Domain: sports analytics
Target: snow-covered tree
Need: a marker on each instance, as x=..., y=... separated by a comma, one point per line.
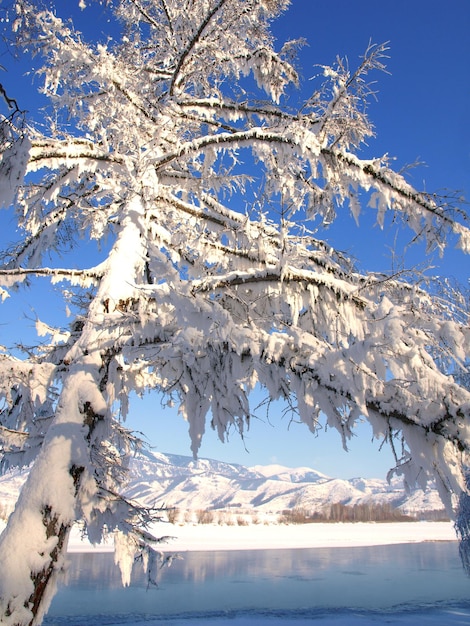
x=172, y=144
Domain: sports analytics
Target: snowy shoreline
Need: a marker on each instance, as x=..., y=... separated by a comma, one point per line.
x=209, y=537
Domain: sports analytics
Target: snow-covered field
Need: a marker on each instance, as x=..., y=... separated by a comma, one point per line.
x=252, y=537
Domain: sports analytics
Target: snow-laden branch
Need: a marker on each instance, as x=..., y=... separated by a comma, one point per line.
x=279, y=276
x=392, y=189
x=52, y=154
x=348, y=99
x=83, y=278
x=220, y=140
x=193, y=42
x=11, y=438
x=207, y=106
x=146, y=15
x=395, y=182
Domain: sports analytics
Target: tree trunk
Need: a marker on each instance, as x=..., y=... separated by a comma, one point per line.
x=63, y=473
x=45, y=578
x=33, y=545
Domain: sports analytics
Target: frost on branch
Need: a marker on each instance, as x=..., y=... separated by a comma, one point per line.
x=207, y=202
x=14, y=148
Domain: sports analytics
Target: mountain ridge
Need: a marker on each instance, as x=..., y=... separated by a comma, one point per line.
x=183, y=483
x=271, y=489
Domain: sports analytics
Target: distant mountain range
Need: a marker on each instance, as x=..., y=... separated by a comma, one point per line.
x=204, y=485
x=189, y=485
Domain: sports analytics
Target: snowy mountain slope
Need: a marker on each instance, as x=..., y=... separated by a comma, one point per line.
x=177, y=481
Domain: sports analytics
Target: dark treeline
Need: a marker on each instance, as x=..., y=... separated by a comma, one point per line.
x=363, y=512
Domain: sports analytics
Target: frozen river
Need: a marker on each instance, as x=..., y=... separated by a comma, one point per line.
x=398, y=584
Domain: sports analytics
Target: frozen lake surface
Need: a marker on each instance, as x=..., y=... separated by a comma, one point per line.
x=396, y=584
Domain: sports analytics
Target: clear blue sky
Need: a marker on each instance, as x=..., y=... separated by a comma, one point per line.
x=421, y=112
